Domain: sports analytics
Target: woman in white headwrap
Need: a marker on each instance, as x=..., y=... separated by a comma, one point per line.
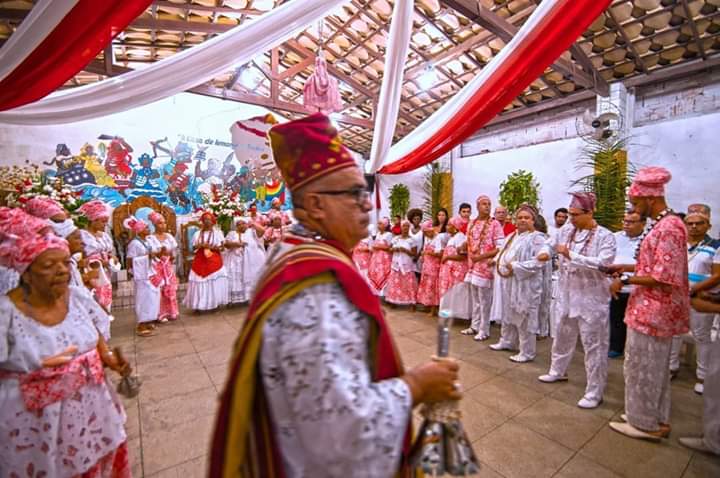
x=141, y=258
x=244, y=258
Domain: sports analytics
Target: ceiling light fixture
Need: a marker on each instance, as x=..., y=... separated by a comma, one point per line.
x=428, y=79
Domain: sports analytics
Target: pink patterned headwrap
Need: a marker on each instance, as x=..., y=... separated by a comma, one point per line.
x=135, y=225
x=155, y=217
x=18, y=222
x=650, y=182
x=95, y=210
x=427, y=226
x=43, y=207
x=583, y=200
x=457, y=222
x=18, y=252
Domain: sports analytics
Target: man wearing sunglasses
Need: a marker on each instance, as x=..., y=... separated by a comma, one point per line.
x=316, y=387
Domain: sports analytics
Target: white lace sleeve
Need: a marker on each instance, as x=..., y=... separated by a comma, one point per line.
x=330, y=417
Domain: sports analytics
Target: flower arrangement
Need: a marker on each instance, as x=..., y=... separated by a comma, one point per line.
x=225, y=204
x=19, y=184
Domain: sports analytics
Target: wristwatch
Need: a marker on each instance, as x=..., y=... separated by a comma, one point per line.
x=625, y=280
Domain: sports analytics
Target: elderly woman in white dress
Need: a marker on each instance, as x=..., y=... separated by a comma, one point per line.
x=141, y=257
x=58, y=416
x=519, y=287
x=244, y=257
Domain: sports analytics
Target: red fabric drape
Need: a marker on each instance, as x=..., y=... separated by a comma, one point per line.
x=74, y=42
x=542, y=46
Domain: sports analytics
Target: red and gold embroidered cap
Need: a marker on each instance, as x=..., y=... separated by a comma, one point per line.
x=307, y=149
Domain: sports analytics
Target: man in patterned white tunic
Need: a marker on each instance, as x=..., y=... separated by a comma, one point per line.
x=583, y=247
x=315, y=386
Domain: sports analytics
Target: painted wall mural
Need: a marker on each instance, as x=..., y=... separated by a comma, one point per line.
x=179, y=172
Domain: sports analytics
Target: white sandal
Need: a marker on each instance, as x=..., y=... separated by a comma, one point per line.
x=468, y=331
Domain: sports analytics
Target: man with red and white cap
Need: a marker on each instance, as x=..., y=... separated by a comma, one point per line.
x=485, y=235
x=583, y=247
x=657, y=310
x=315, y=386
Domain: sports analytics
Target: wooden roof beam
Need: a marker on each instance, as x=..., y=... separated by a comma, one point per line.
x=506, y=31
x=628, y=41
x=693, y=27
x=203, y=8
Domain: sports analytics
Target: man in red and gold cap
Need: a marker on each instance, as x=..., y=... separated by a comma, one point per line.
x=657, y=310
x=315, y=386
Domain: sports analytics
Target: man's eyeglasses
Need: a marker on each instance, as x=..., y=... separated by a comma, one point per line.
x=359, y=193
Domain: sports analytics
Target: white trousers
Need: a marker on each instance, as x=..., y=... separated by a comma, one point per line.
x=517, y=336
x=701, y=329
x=595, y=338
x=647, y=380
x=480, y=303
x=711, y=395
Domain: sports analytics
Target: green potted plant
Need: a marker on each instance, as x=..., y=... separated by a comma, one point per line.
x=399, y=200
x=520, y=187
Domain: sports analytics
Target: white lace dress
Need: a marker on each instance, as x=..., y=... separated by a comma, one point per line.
x=67, y=437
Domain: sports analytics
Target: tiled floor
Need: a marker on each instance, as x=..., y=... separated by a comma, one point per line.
x=519, y=426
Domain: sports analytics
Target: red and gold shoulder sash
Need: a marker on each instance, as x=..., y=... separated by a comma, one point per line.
x=243, y=443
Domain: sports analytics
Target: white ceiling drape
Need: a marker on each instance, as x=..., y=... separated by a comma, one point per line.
x=177, y=73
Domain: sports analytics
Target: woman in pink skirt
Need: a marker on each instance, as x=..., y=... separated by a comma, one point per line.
x=402, y=283
x=166, y=244
x=381, y=258
x=361, y=256
x=453, y=267
x=428, y=294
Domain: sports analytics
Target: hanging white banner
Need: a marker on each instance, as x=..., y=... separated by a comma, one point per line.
x=391, y=90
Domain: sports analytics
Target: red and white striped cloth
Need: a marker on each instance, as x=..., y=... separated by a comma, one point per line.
x=55, y=41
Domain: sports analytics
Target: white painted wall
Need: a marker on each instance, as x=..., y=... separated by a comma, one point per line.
x=689, y=148
x=551, y=163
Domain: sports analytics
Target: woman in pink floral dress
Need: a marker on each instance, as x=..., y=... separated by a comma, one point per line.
x=361, y=256
x=164, y=242
x=402, y=284
x=59, y=417
x=428, y=292
x=381, y=258
x=453, y=267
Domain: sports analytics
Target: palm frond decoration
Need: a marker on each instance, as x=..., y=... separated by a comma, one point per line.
x=437, y=190
x=611, y=175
